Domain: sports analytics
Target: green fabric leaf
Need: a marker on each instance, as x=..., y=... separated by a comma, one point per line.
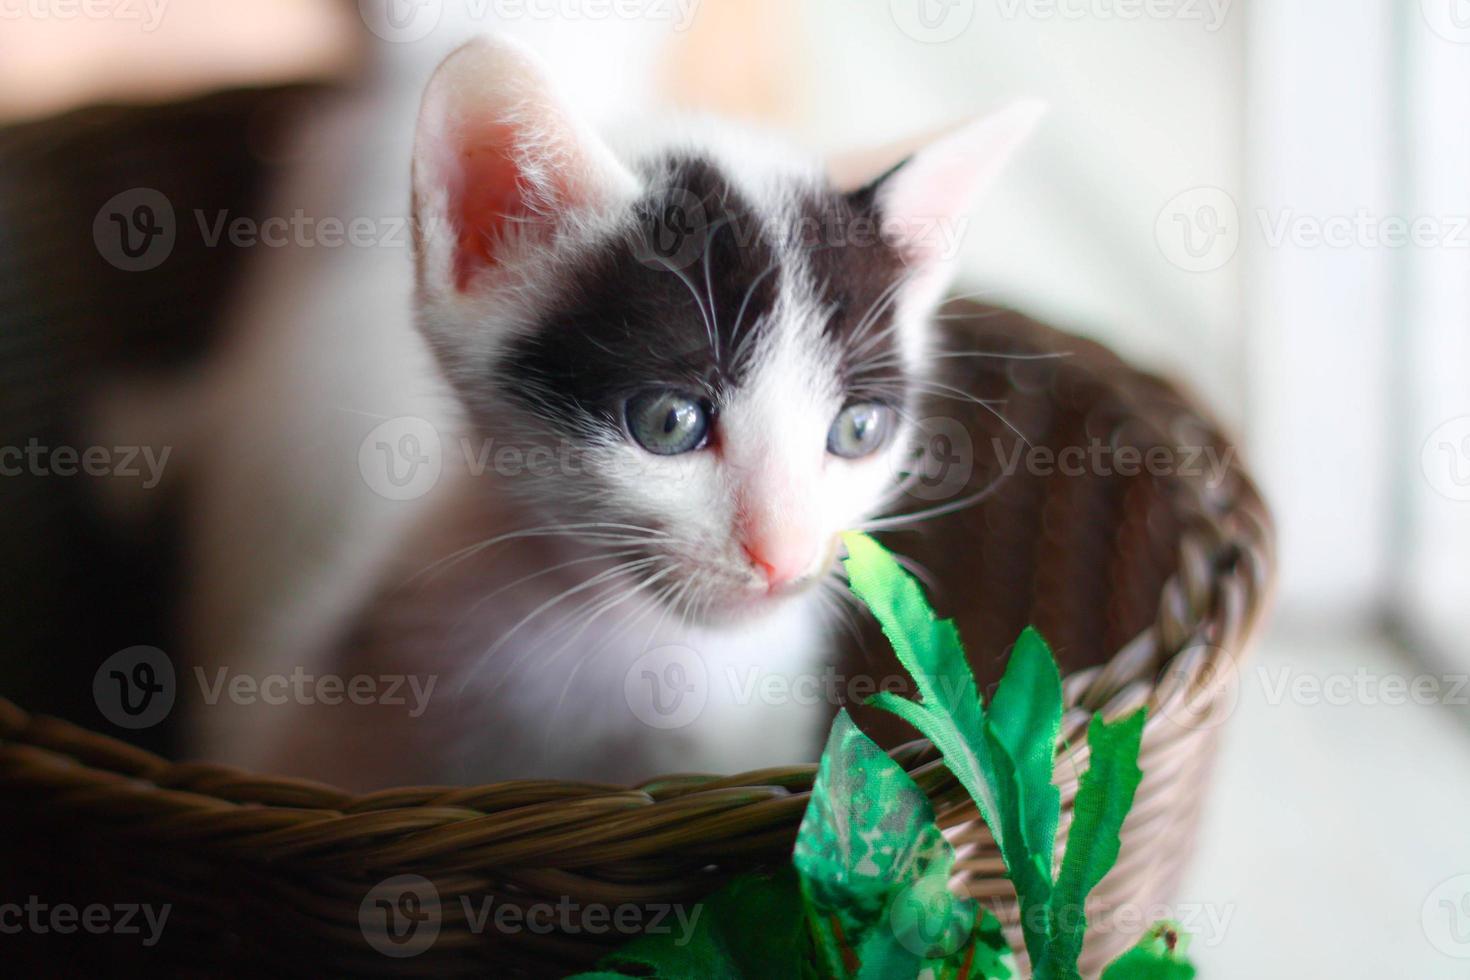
x=950, y=714
x=1026, y=714
x=1030, y=873
x=926, y=939
x=990, y=955
x=1005, y=758
x=1022, y=725
x=1159, y=955
x=868, y=839
x=883, y=955
x=1104, y=798
x=753, y=927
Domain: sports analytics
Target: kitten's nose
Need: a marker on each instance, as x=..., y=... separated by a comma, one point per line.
x=780, y=561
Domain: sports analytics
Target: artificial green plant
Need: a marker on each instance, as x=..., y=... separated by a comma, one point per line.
x=867, y=897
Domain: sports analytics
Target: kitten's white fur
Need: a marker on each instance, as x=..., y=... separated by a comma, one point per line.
x=266, y=604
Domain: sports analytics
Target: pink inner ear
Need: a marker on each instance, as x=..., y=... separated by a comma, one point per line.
x=483, y=199
x=934, y=193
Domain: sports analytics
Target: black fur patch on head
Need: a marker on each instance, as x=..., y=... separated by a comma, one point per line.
x=683, y=299
x=858, y=274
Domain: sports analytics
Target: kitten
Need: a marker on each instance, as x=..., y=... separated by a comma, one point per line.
x=688, y=362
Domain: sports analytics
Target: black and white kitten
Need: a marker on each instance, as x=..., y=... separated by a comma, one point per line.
x=712, y=350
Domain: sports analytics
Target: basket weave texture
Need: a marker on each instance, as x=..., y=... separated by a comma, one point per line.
x=1148, y=585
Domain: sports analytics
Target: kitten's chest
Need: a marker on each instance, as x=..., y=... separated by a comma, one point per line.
x=541, y=674
x=623, y=703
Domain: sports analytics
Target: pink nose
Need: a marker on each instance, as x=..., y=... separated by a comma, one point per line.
x=780, y=561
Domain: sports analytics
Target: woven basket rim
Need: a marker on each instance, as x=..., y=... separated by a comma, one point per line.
x=675, y=835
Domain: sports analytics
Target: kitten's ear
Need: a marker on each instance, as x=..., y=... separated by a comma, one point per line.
x=500, y=164
x=921, y=187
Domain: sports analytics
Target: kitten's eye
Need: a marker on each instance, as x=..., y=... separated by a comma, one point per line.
x=667, y=422
x=860, y=429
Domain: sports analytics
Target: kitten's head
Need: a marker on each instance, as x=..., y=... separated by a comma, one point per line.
x=713, y=346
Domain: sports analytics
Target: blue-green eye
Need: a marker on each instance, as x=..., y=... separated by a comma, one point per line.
x=668, y=422
x=860, y=429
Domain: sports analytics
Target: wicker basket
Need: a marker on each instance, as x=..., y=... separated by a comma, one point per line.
x=1148, y=585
